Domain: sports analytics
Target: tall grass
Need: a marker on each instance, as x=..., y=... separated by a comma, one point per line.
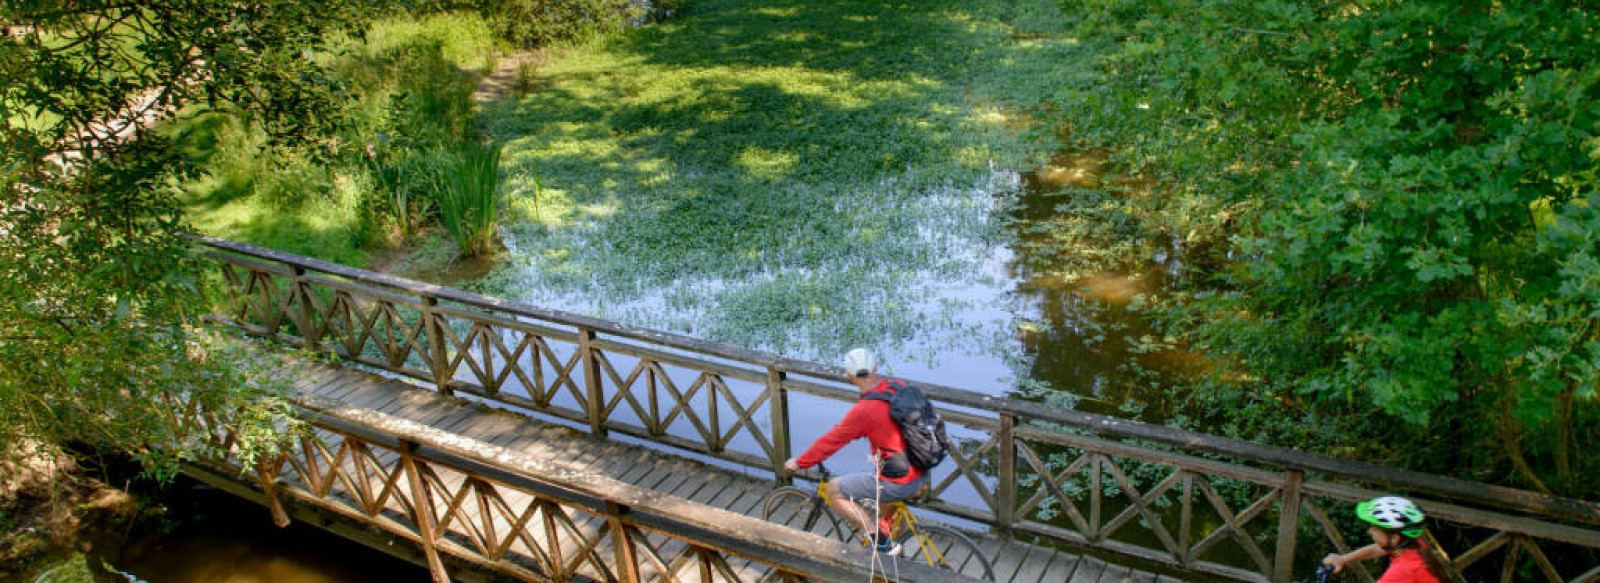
x=404, y=192
x=378, y=181
x=469, y=198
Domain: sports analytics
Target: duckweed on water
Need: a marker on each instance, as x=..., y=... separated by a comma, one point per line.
x=796, y=176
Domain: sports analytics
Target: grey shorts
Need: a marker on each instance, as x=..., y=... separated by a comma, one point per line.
x=864, y=487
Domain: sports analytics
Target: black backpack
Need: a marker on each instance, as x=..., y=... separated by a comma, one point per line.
x=920, y=426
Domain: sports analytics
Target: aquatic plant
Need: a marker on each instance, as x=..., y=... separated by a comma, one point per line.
x=468, y=198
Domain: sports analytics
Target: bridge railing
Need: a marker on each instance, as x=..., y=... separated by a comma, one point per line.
x=485, y=506
x=1161, y=496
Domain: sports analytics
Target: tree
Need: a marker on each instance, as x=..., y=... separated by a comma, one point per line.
x=1392, y=205
x=101, y=287
x=1432, y=253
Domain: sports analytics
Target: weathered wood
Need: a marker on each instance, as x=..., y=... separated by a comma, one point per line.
x=1032, y=566
x=389, y=315
x=1062, y=567
x=1088, y=571
x=778, y=411
x=268, y=478
x=1570, y=509
x=594, y=390
x=1006, y=494
x=1009, y=558
x=1288, y=521
x=589, y=481
x=1115, y=574
x=424, y=519
x=438, y=352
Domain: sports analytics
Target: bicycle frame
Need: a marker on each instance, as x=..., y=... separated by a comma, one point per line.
x=902, y=521
x=940, y=547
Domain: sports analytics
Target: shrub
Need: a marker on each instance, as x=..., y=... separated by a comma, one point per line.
x=546, y=22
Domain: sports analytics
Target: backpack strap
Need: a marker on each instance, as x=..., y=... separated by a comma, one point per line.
x=886, y=396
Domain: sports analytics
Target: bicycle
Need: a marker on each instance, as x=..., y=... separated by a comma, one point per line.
x=939, y=546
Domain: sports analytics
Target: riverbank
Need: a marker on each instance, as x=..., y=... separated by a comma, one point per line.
x=51, y=508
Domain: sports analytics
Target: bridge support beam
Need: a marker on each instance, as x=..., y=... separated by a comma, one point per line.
x=269, y=487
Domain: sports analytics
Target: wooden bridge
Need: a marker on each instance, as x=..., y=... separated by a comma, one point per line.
x=497, y=438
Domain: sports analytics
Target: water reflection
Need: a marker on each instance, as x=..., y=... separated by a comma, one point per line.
x=1086, y=344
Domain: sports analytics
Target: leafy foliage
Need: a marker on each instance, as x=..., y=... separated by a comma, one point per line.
x=408, y=84
x=1401, y=198
x=547, y=22
x=98, y=281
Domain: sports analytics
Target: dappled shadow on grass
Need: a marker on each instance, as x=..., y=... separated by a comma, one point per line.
x=302, y=231
x=739, y=150
x=871, y=40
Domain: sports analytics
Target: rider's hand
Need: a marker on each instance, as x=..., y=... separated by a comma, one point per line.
x=1335, y=559
x=791, y=465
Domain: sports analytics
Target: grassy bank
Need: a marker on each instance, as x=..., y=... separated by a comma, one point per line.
x=409, y=81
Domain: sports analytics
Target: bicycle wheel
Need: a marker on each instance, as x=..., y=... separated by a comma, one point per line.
x=944, y=548
x=799, y=508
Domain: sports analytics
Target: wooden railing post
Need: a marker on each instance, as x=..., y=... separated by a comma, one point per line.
x=1288, y=526
x=422, y=509
x=627, y=561
x=1094, y=498
x=308, y=329
x=438, y=352
x=778, y=405
x=1006, y=491
x=269, y=487
x=590, y=361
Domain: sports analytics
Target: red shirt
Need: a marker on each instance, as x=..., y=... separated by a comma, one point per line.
x=869, y=418
x=1407, y=567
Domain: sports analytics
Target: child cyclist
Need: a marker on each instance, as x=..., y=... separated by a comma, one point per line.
x=1395, y=525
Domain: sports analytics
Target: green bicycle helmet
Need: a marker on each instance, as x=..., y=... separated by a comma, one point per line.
x=1392, y=513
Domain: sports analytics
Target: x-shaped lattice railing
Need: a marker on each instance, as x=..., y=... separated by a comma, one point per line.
x=678, y=388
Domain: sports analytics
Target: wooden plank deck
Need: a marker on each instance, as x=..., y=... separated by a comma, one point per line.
x=641, y=466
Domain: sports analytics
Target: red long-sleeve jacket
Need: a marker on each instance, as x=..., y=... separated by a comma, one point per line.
x=869, y=418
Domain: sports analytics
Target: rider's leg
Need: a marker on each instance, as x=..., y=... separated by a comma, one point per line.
x=841, y=491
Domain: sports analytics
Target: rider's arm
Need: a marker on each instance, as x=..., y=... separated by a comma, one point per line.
x=854, y=425
x=1365, y=553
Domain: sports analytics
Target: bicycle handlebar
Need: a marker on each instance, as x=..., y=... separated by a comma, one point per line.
x=1324, y=573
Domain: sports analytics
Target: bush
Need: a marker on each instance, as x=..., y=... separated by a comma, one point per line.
x=546, y=22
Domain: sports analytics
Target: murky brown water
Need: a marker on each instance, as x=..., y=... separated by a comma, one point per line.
x=215, y=537
x=1086, y=331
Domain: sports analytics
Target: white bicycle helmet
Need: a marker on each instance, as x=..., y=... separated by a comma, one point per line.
x=1392, y=513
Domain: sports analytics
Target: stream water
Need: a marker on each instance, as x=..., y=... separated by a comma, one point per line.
x=210, y=536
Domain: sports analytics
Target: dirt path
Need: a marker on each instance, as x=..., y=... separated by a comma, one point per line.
x=502, y=81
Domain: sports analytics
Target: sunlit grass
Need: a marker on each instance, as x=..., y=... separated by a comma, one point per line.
x=322, y=226
x=331, y=207
x=466, y=38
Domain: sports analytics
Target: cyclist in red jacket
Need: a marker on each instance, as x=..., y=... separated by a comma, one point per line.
x=1396, y=531
x=869, y=418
